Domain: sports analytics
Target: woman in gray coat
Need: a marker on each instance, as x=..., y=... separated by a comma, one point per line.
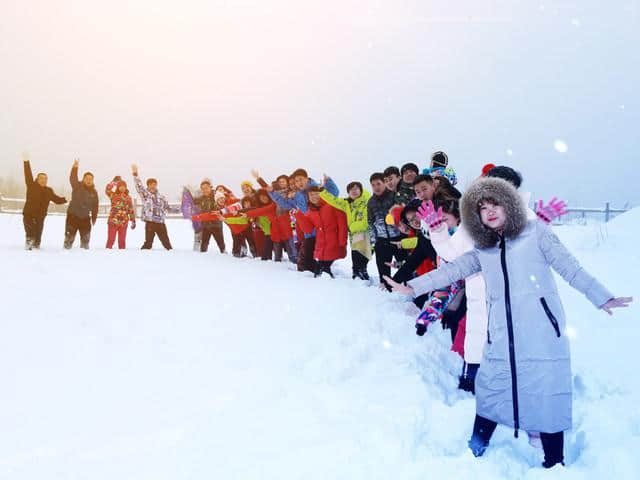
x=524, y=380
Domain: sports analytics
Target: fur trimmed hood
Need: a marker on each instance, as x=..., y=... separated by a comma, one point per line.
x=504, y=194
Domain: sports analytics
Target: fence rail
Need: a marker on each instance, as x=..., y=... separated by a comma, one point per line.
x=14, y=205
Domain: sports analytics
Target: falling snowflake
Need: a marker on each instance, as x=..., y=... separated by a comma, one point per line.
x=576, y=22
x=386, y=344
x=561, y=146
x=509, y=152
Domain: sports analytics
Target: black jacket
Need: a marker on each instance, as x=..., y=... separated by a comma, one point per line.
x=404, y=193
x=38, y=197
x=208, y=204
x=377, y=210
x=423, y=251
x=84, y=201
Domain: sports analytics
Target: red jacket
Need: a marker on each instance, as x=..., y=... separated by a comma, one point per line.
x=280, y=225
x=331, y=230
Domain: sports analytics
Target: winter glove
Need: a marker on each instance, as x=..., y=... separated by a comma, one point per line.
x=133, y=224
x=427, y=214
x=421, y=329
x=548, y=213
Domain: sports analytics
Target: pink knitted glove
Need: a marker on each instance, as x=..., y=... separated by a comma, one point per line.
x=427, y=213
x=554, y=209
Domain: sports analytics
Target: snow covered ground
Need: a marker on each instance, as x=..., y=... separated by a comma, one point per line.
x=179, y=365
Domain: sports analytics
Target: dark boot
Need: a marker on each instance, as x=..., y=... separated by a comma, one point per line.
x=553, y=446
x=482, y=431
x=326, y=267
x=467, y=381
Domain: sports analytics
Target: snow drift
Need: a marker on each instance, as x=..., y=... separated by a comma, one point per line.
x=172, y=365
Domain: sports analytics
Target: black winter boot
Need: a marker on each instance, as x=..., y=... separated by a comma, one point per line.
x=553, y=446
x=482, y=431
x=467, y=381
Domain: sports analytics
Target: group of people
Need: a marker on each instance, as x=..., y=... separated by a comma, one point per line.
x=479, y=263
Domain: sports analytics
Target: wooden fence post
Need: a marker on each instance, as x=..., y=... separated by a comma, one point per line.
x=607, y=212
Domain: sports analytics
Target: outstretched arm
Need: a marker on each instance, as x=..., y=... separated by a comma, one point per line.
x=284, y=203
x=143, y=192
x=563, y=262
x=331, y=186
x=460, y=268
x=28, y=174
x=73, y=176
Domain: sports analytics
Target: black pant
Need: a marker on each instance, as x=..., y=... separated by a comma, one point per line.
x=151, y=229
x=305, y=255
x=215, y=229
x=33, y=229
x=287, y=246
x=240, y=242
x=385, y=251
x=267, y=248
x=552, y=443
x=74, y=225
x=359, y=262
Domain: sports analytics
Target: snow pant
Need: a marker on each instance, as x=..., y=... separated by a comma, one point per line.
x=306, y=262
x=288, y=246
x=197, y=239
x=117, y=230
x=212, y=229
x=240, y=242
x=451, y=318
x=552, y=443
x=267, y=248
x=151, y=229
x=33, y=230
x=385, y=251
x=359, y=264
x=323, y=266
x=258, y=240
x=74, y=225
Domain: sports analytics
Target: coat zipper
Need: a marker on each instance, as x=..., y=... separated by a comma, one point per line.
x=550, y=315
x=512, y=353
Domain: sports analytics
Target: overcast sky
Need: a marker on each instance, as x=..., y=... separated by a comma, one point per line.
x=191, y=89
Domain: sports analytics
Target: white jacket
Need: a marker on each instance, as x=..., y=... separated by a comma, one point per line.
x=450, y=247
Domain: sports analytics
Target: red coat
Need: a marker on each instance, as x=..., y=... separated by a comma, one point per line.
x=331, y=230
x=280, y=225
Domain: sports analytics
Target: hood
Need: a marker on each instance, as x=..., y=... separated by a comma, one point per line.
x=506, y=195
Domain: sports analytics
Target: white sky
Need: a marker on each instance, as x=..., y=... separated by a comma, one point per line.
x=192, y=89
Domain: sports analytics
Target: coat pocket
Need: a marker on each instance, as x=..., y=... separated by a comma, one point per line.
x=489, y=322
x=550, y=316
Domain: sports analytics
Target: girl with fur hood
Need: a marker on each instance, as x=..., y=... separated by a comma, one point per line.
x=121, y=213
x=524, y=379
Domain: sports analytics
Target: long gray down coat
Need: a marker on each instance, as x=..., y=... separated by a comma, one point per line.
x=524, y=379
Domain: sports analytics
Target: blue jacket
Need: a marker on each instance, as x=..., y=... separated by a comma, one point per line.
x=300, y=200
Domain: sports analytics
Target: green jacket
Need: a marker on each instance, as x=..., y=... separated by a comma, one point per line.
x=355, y=210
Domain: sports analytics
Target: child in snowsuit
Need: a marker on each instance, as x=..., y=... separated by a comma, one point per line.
x=284, y=239
x=264, y=216
x=330, y=224
x=154, y=211
x=355, y=207
x=120, y=214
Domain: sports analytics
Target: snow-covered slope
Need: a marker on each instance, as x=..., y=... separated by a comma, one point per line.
x=179, y=365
